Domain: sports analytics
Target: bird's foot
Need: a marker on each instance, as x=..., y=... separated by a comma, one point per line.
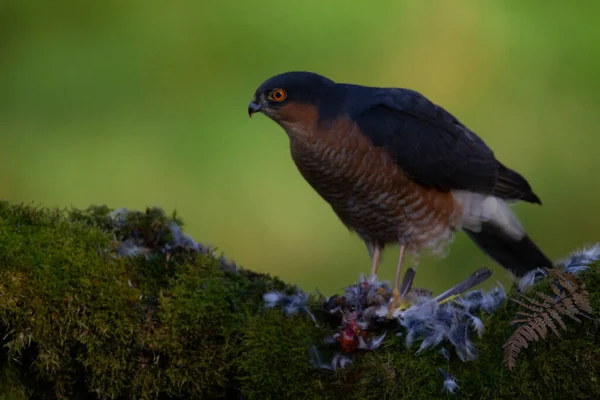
x=395, y=303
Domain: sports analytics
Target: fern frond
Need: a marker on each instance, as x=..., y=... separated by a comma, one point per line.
x=570, y=299
x=553, y=314
x=540, y=327
x=549, y=323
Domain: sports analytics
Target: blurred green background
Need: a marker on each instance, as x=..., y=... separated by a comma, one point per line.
x=131, y=103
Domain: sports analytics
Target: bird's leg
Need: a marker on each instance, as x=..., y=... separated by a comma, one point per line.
x=375, y=257
x=396, y=290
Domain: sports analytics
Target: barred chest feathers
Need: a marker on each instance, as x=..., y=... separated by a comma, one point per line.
x=369, y=193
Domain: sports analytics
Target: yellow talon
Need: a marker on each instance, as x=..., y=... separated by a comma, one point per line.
x=395, y=300
x=404, y=304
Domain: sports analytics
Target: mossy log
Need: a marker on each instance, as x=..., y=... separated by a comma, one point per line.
x=104, y=304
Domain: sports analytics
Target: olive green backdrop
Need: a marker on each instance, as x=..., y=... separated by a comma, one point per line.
x=136, y=103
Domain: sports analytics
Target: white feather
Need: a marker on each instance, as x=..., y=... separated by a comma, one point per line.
x=478, y=208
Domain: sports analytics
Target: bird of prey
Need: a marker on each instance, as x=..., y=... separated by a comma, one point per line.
x=399, y=169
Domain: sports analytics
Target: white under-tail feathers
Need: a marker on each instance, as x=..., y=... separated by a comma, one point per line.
x=479, y=208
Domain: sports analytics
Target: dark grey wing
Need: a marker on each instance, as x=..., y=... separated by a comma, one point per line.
x=432, y=146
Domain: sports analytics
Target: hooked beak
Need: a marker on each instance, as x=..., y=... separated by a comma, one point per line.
x=253, y=107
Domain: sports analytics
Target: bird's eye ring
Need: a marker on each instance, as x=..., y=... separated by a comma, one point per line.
x=278, y=95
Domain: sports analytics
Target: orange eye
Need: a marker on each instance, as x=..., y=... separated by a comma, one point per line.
x=278, y=95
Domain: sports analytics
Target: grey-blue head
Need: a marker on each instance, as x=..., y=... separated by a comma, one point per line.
x=289, y=87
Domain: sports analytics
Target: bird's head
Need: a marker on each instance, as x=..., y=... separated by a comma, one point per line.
x=291, y=98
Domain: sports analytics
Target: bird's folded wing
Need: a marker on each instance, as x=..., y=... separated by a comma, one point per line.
x=433, y=147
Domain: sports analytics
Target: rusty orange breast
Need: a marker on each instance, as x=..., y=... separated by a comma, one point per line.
x=368, y=191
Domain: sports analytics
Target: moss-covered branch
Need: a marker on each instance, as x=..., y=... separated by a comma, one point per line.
x=108, y=304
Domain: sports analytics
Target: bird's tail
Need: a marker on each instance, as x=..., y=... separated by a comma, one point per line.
x=519, y=255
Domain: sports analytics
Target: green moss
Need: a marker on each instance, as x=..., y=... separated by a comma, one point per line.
x=274, y=354
x=80, y=320
x=11, y=387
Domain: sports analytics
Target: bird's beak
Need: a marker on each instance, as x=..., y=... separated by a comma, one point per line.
x=253, y=107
